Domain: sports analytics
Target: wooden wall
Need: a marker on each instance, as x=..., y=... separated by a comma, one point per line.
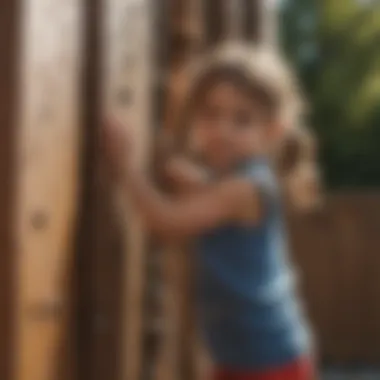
x=337, y=252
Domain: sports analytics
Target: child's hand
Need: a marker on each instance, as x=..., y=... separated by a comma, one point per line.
x=184, y=176
x=117, y=145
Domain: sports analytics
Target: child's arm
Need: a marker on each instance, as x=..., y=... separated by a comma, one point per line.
x=176, y=172
x=184, y=176
x=219, y=204
x=214, y=206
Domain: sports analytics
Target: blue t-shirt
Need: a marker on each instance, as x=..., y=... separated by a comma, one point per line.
x=248, y=311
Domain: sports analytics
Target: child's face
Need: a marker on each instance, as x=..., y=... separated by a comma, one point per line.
x=230, y=126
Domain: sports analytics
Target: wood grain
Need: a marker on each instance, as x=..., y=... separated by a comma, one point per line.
x=47, y=180
x=10, y=16
x=179, y=356
x=127, y=86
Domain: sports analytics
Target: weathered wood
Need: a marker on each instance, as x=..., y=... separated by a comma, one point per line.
x=335, y=250
x=9, y=35
x=47, y=182
x=214, y=21
x=265, y=16
x=234, y=11
x=167, y=365
x=127, y=86
x=252, y=22
x=177, y=359
x=100, y=247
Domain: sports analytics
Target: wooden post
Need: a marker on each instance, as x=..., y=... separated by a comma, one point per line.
x=252, y=21
x=177, y=359
x=268, y=13
x=127, y=88
x=214, y=21
x=167, y=362
x=9, y=37
x=47, y=182
x=234, y=11
x=97, y=290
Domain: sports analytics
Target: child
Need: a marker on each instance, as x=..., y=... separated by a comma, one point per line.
x=241, y=111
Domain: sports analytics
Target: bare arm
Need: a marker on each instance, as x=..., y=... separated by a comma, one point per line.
x=184, y=176
x=217, y=205
x=214, y=206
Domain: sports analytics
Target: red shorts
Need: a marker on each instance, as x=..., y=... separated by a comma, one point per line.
x=301, y=369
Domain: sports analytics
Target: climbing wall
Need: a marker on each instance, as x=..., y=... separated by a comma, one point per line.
x=47, y=180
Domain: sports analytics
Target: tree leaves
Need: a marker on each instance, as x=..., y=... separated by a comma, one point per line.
x=342, y=79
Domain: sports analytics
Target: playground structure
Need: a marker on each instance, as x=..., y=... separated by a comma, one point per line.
x=87, y=295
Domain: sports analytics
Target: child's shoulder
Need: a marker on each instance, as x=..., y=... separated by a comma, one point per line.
x=260, y=171
x=263, y=177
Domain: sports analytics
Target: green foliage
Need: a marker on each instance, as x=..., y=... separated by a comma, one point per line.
x=341, y=75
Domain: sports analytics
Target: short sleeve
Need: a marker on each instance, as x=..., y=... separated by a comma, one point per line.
x=263, y=180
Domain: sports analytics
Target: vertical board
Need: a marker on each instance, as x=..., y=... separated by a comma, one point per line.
x=167, y=362
x=235, y=19
x=336, y=250
x=97, y=291
x=214, y=21
x=313, y=249
x=370, y=287
x=177, y=359
x=47, y=180
x=251, y=26
x=9, y=33
x=267, y=21
x=127, y=86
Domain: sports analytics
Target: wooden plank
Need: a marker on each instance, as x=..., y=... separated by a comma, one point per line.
x=168, y=366
x=9, y=35
x=369, y=206
x=336, y=251
x=47, y=180
x=100, y=236
x=347, y=267
x=127, y=86
x=314, y=253
x=234, y=13
x=214, y=21
x=170, y=47
x=266, y=19
x=251, y=25
x=168, y=361
x=178, y=359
